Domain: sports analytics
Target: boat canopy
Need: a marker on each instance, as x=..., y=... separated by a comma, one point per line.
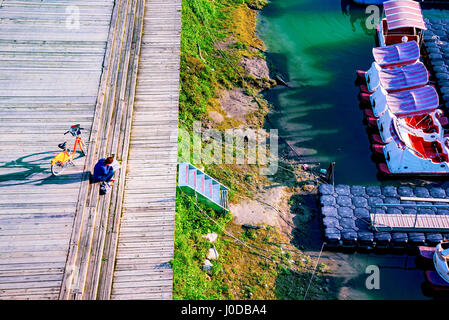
x=397, y=54
x=403, y=14
x=413, y=102
x=406, y=77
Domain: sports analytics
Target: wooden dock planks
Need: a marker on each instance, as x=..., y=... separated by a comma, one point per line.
x=146, y=236
x=410, y=222
x=49, y=79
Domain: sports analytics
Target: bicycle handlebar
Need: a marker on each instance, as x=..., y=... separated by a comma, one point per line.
x=78, y=131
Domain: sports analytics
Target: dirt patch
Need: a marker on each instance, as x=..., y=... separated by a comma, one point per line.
x=237, y=103
x=225, y=44
x=255, y=67
x=265, y=210
x=216, y=117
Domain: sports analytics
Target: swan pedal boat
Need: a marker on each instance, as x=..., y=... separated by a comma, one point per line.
x=403, y=20
x=438, y=279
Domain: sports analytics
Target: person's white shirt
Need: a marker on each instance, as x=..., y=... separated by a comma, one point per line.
x=115, y=165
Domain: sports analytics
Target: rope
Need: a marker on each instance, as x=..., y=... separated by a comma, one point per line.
x=333, y=177
x=314, y=270
x=278, y=211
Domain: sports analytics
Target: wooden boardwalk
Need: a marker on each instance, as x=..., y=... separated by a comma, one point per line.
x=49, y=78
x=89, y=267
x=146, y=237
x=118, y=76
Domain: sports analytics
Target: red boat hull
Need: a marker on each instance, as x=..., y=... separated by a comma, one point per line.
x=383, y=168
x=364, y=89
x=372, y=121
x=369, y=113
x=378, y=149
x=376, y=139
x=364, y=97
x=424, y=258
x=361, y=77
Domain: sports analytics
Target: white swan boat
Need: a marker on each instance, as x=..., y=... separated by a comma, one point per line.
x=439, y=279
x=397, y=79
x=413, y=155
x=424, y=125
x=403, y=22
x=441, y=260
x=404, y=103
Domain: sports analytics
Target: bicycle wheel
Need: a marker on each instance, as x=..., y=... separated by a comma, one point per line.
x=58, y=167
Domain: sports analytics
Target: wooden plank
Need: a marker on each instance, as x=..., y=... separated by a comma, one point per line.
x=145, y=243
x=86, y=209
x=425, y=199
x=120, y=132
x=410, y=222
x=105, y=281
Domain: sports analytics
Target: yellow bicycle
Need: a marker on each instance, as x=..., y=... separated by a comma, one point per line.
x=60, y=162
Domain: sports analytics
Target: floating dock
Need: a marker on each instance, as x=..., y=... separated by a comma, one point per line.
x=358, y=216
x=436, y=46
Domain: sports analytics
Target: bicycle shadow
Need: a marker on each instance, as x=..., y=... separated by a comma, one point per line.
x=35, y=169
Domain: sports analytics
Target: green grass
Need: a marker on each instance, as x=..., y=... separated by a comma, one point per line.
x=204, y=70
x=190, y=281
x=203, y=67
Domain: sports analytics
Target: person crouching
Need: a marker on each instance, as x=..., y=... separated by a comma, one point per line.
x=103, y=171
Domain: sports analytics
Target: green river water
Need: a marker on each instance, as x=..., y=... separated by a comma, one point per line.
x=316, y=46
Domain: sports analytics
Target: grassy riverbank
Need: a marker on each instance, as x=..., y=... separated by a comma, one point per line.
x=205, y=68
x=253, y=264
x=215, y=37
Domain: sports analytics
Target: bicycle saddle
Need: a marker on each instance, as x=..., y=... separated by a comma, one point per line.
x=62, y=145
